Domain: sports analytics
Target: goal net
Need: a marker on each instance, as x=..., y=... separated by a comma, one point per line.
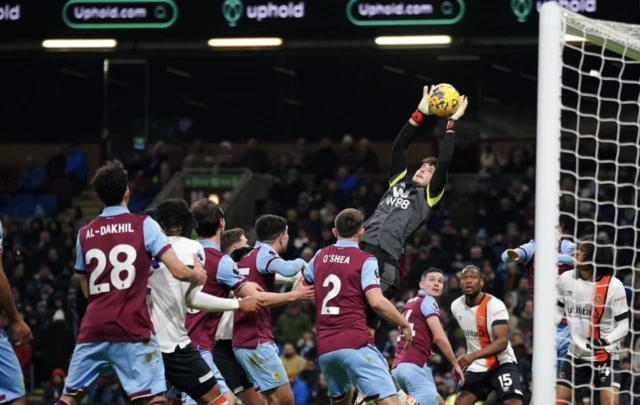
x=588, y=177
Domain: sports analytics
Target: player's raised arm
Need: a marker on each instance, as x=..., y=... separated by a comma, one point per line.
x=521, y=254
x=21, y=332
x=435, y=189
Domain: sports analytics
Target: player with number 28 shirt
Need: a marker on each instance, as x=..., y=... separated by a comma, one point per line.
x=345, y=280
x=114, y=254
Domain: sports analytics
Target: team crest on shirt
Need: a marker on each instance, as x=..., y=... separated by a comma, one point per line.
x=480, y=321
x=200, y=257
x=272, y=253
x=561, y=375
x=276, y=377
x=236, y=271
x=598, y=299
x=435, y=306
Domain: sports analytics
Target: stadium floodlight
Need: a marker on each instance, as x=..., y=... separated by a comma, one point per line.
x=587, y=167
x=79, y=43
x=413, y=40
x=244, y=42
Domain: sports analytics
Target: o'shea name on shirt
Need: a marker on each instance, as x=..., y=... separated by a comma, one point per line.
x=335, y=259
x=109, y=229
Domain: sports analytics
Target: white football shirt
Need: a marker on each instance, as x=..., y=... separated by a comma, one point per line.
x=576, y=298
x=477, y=323
x=166, y=296
x=225, y=327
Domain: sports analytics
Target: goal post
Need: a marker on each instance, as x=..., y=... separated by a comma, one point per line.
x=587, y=165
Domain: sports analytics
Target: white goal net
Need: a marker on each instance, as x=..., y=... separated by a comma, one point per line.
x=588, y=177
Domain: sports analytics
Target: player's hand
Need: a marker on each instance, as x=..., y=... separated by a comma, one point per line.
x=465, y=361
x=464, y=103
x=423, y=107
x=407, y=334
x=513, y=255
x=249, y=304
x=597, y=344
x=304, y=292
x=199, y=275
x=459, y=373
x=21, y=333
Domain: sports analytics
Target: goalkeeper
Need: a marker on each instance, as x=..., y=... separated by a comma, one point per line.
x=408, y=203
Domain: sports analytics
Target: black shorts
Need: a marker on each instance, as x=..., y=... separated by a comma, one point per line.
x=389, y=279
x=186, y=371
x=234, y=375
x=576, y=373
x=504, y=380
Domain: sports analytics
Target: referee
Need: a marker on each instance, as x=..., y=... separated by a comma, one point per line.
x=408, y=203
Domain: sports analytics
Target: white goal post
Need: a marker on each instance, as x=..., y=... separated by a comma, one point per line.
x=588, y=111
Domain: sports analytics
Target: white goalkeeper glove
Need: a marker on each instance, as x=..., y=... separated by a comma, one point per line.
x=464, y=103
x=423, y=108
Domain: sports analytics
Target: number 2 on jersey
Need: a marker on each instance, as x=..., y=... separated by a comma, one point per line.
x=335, y=290
x=117, y=268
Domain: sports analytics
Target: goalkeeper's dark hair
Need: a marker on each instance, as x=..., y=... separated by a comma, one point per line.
x=110, y=183
x=240, y=252
x=431, y=160
x=174, y=216
x=431, y=270
x=598, y=254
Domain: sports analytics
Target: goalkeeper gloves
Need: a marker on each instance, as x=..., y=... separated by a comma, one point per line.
x=464, y=103
x=596, y=344
x=423, y=108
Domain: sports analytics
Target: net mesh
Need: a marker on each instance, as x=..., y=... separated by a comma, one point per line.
x=600, y=179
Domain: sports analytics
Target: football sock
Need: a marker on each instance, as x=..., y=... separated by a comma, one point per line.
x=221, y=400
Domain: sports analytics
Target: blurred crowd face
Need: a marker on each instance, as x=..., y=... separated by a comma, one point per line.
x=433, y=284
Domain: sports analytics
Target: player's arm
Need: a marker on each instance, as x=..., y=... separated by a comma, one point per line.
x=196, y=299
x=21, y=332
x=158, y=246
x=80, y=268
x=370, y=284
x=521, y=254
x=282, y=280
x=500, y=328
x=431, y=312
x=567, y=253
x=435, y=189
x=617, y=301
x=398, y=165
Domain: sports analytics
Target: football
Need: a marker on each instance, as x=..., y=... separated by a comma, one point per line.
x=444, y=100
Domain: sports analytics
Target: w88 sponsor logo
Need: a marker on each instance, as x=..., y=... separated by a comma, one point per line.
x=399, y=199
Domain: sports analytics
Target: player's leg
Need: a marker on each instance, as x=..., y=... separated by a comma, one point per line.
x=506, y=382
x=224, y=389
x=338, y=382
x=234, y=375
x=563, y=343
x=140, y=369
x=267, y=372
x=567, y=378
x=607, y=381
x=189, y=373
x=11, y=378
x=418, y=383
x=367, y=370
x=89, y=360
x=476, y=388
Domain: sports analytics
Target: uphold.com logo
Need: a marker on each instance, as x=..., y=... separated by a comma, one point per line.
x=233, y=10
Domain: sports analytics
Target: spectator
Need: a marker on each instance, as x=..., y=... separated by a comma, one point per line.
x=107, y=391
x=56, y=164
x=292, y=361
x=58, y=347
x=347, y=152
x=366, y=158
x=325, y=161
x=525, y=323
x=76, y=168
x=225, y=158
x=54, y=387
x=346, y=182
x=292, y=324
x=255, y=158
x=32, y=177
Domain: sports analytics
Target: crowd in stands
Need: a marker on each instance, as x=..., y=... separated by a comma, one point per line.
x=474, y=224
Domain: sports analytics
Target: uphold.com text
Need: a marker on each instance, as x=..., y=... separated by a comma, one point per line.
x=394, y=9
x=109, y=13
